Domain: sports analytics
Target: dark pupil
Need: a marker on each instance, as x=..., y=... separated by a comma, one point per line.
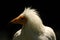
x=22, y=18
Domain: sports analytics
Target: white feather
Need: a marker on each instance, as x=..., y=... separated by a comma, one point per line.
x=34, y=28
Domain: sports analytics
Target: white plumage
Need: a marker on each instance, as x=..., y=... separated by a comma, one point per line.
x=33, y=28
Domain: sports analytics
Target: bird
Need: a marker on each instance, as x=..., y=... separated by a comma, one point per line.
x=32, y=27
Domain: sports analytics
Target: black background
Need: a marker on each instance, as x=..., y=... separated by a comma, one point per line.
x=48, y=10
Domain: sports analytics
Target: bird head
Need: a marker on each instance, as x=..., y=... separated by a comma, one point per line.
x=28, y=16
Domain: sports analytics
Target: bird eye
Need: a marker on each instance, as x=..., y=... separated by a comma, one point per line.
x=22, y=18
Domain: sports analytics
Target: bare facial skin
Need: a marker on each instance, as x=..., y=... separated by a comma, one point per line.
x=19, y=20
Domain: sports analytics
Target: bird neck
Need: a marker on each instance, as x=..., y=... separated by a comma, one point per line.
x=33, y=27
